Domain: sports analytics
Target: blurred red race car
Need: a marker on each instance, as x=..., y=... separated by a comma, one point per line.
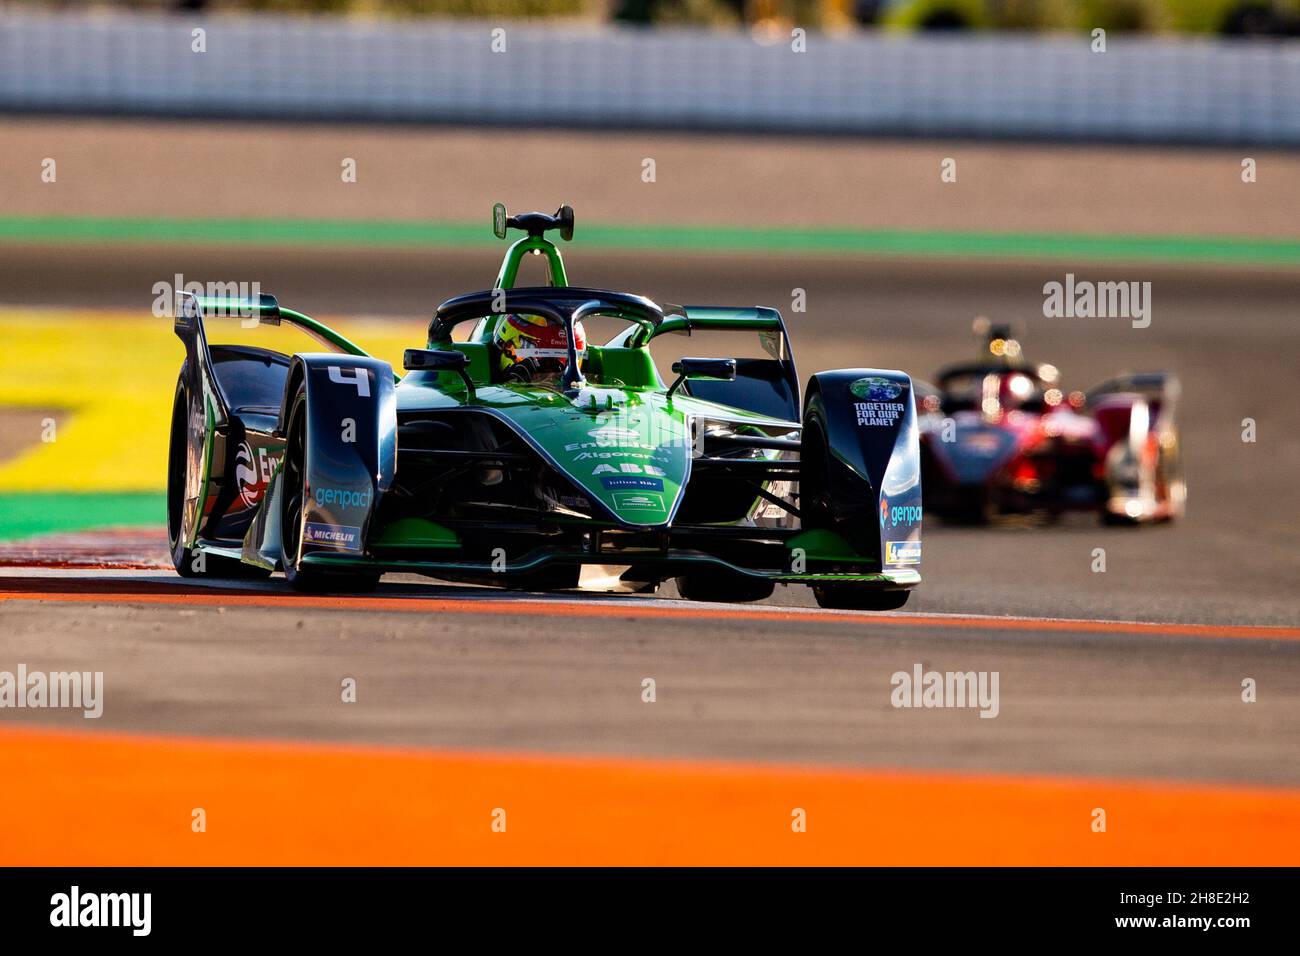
x=999, y=436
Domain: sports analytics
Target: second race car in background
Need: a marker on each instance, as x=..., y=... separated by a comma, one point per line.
x=999, y=436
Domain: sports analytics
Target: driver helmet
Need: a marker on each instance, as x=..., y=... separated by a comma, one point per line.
x=535, y=349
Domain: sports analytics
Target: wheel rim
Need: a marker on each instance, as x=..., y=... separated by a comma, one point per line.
x=175, y=469
x=184, y=467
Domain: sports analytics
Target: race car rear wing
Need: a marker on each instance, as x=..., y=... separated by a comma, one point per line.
x=1161, y=385
x=1159, y=389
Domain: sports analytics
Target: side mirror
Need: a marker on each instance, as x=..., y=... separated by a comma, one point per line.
x=708, y=369
x=439, y=360
x=499, y=220
x=434, y=360
x=565, y=217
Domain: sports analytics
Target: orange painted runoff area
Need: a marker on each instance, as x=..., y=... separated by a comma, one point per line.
x=97, y=799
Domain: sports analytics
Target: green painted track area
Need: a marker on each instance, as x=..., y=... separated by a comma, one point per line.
x=24, y=515
x=722, y=239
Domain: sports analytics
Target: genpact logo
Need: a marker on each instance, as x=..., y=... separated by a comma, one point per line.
x=904, y=514
x=343, y=497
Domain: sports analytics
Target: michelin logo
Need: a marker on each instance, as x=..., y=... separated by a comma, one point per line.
x=902, y=552
x=333, y=536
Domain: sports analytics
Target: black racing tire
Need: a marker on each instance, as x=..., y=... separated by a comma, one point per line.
x=851, y=597
x=292, y=488
x=818, y=507
x=1252, y=20
x=191, y=563
x=972, y=508
x=945, y=20
x=551, y=577
x=814, y=477
x=723, y=587
x=1109, y=519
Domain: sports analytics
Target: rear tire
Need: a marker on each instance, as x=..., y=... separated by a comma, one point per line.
x=848, y=597
x=1110, y=519
x=292, y=490
x=722, y=587
x=973, y=507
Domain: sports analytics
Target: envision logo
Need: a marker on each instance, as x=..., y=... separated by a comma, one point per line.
x=103, y=909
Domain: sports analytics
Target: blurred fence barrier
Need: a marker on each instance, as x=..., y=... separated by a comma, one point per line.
x=979, y=85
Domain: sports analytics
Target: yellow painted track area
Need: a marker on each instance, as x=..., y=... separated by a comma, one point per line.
x=114, y=373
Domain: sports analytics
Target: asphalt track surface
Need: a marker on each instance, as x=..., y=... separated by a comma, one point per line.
x=447, y=668
x=1141, y=680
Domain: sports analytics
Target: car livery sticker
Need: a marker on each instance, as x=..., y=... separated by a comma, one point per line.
x=878, y=414
x=343, y=537
x=899, y=514
x=342, y=497
x=638, y=501
x=253, y=472
x=876, y=389
x=627, y=481
x=902, y=552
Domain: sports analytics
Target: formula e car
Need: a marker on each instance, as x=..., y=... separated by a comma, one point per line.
x=327, y=466
x=998, y=436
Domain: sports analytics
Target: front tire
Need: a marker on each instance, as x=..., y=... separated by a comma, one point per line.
x=549, y=578
x=721, y=587
x=848, y=597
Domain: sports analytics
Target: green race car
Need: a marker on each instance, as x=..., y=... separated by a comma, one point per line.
x=520, y=455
